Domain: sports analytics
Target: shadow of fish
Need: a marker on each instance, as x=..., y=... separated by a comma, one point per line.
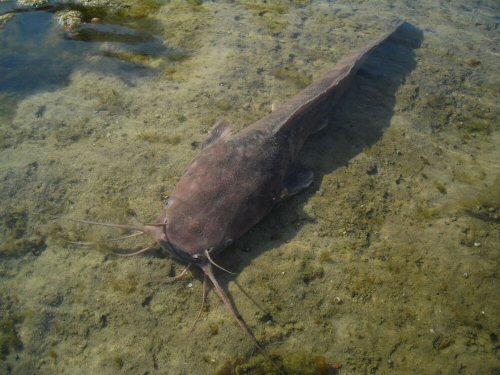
x=238, y=178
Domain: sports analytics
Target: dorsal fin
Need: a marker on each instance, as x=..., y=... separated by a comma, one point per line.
x=220, y=130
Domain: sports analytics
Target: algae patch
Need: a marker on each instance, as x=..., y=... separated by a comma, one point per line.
x=262, y=7
x=292, y=75
x=140, y=9
x=17, y=239
x=152, y=136
x=272, y=15
x=185, y=22
x=476, y=125
x=485, y=205
x=292, y=363
x=9, y=339
x=65, y=134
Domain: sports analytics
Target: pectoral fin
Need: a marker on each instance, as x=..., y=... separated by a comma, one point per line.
x=296, y=182
x=221, y=130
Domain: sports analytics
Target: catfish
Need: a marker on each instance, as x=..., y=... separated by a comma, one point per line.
x=237, y=178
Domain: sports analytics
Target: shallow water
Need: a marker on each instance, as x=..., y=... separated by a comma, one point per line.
x=387, y=264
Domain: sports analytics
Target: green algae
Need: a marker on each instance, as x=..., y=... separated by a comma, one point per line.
x=20, y=246
x=325, y=256
x=223, y=104
x=292, y=363
x=272, y=15
x=109, y=100
x=117, y=209
x=484, y=205
x=292, y=75
x=66, y=134
x=53, y=355
x=180, y=117
x=16, y=221
x=18, y=241
x=9, y=338
x=470, y=177
x=440, y=187
x=128, y=285
x=153, y=136
x=118, y=362
x=477, y=125
x=139, y=9
x=311, y=273
x=491, y=86
x=260, y=7
x=140, y=59
x=195, y=2
x=185, y=22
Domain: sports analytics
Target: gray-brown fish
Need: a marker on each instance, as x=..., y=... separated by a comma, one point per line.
x=238, y=178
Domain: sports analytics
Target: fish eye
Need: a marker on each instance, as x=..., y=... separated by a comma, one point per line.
x=228, y=242
x=210, y=249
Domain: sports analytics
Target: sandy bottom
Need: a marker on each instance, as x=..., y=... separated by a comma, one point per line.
x=387, y=264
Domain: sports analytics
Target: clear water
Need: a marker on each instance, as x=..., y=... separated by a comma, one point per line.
x=387, y=264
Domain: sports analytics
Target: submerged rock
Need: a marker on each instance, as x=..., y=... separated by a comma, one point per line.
x=45, y=3
x=94, y=3
x=32, y=3
x=69, y=19
x=4, y=18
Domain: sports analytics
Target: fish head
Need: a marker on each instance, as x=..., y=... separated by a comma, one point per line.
x=200, y=214
x=225, y=191
x=189, y=238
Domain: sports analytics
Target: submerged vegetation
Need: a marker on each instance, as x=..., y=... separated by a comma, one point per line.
x=294, y=363
x=292, y=75
x=152, y=136
x=9, y=339
x=272, y=15
x=18, y=240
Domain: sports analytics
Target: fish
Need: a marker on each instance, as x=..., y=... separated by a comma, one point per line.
x=238, y=178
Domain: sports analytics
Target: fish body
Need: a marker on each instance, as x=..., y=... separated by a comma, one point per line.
x=237, y=178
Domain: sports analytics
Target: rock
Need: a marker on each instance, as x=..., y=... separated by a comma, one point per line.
x=4, y=18
x=32, y=3
x=69, y=19
x=95, y=3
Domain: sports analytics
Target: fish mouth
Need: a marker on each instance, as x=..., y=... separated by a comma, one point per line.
x=180, y=254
